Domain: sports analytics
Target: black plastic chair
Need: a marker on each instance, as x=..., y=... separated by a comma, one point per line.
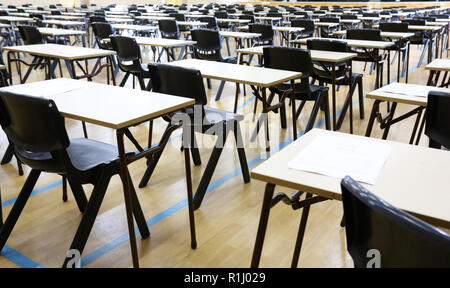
x=401, y=239
x=437, y=124
x=327, y=32
x=223, y=15
x=212, y=22
x=208, y=47
x=298, y=60
x=129, y=60
x=96, y=19
x=103, y=31
x=365, y=54
x=250, y=17
x=169, y=29
x=400, y=44
x=266, y=32
x=323, y=73
x=420, y=38
x=186, y=82
x=308, y=26
x=36, y=131
x=31, y=36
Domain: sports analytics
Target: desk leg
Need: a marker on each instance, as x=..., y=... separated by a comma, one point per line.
x=388, y=126
x=127, y=196
x=333, y=89
x=300, y=234
x=262, y=227
x=294, y=112
x=375, y=109
x=377, y=67
x=187, y=163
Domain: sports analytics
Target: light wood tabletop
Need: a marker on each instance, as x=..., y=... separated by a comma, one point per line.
x=382, y=34
x=60, y=51
x=413, y=178
x=439, y=65
x=243, y=74
x=16, y=19
x=60, y=32
x=161, y=42
x=118, y=26
x=403, y=96
x=106, y=105
x=355, y=43
x=63, y=23
x=242, y=35
x=317, y=55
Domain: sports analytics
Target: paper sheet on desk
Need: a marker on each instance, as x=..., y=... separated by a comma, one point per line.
x=407, y=89
x=46, y=88
x=336, y=156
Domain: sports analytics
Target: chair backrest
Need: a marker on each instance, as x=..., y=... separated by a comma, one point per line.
x=327, y=45
x=307, y=24
x=94, y=19
x=178, y=81
x=246, y=12
x=420, y=22
x=126, y=48
x=394, y=27
x=56, y=12
x=401, y=239
x=329, y=19
x=437, y=124
x=102, y=31
x=32, y=124
x=349, y=16
x=212, y=22
x=274, y=14
x=364, y=34
x=290, y=59
x=30, y=35
x=371, y=15
x=221, y=14
x=250, y=17
x=208, y=44
x=169, y=29
x=265, y=30
x=178, y=16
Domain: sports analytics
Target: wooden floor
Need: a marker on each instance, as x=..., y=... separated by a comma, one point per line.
x=227, y=220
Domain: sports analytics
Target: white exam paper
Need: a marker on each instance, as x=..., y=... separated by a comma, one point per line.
x=408, y=89
x=337, y=157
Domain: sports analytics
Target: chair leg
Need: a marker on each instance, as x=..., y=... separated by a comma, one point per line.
x=209, y=170
x=64, y=186
x=9, y=153
x=326, y=110
x=194, y=150
x=300, y=108
x=79, y=195
x=85, y=226
x=15, y=212
x=124, y=80
x=241, y=151
x=219, y=91
x=300, y=235
x=137, y=211
x=312, y=118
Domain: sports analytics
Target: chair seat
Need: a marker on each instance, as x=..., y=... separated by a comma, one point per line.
x=300, y=92
x=214, y=115
x=229, y=59
x=326, y=78
x=85, y=154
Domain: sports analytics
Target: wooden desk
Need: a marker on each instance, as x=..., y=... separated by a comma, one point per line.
x=375, y=45
x=71, y=54
x=165, y=44
x=419, y=184
x=249, y=75
x=137, y=28
x=436, y=67
x=323, y=56
x=104, y=105
x=386, y=121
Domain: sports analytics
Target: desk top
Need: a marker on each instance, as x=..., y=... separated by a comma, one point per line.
x=242, y=35
x=383, y=34
x=355, y=43
x=243, y=74
x=402, y=96
x=106, y=105
x=60, y=32
x=60, y=51
x=134, y=27
x=63, y=23
x=317, y=55
x=414, y=178
x=161, y=42
x=439, y=65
